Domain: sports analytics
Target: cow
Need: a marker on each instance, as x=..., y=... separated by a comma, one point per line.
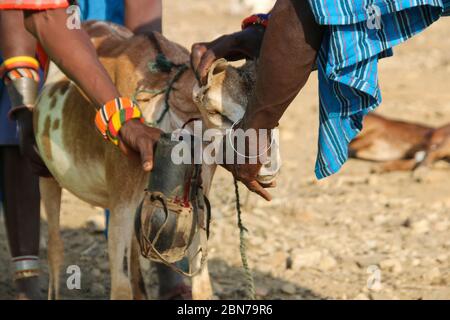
x=400, y=145
x=96, y=171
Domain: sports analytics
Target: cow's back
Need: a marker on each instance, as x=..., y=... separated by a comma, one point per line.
x=73, y=150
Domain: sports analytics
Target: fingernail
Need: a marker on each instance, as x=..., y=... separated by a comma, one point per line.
x=147, y=166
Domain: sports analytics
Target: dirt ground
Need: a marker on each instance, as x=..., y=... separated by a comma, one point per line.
x=316, y=239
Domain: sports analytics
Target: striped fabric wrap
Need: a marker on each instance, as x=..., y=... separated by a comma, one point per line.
x=33, y=4
x=359, y=33
x=19, y=67
x=26, y=267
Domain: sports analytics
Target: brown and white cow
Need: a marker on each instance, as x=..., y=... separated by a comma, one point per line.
x=95, y=170
x=400, y=145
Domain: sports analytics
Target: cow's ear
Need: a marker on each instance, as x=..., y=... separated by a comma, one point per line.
x=217, y=69
x=173, y=51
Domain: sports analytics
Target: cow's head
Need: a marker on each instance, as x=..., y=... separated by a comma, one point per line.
x=224, y=97
x=222, y=102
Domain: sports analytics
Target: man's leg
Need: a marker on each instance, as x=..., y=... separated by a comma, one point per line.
x=22, y=214
x=21, y=192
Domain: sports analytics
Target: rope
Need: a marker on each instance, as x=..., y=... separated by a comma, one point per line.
x=162, y=64
x=250, y=283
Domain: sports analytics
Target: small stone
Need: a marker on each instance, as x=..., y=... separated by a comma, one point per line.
x=262, y=291
x=327, y=263
x=361, y=296
x=433, y=276
x=415, y=262
x=371, y=244
x=421, y=227
x=392, y=265
x=305, y=258
x=380, y=219
x=289, y=288
x=442, y=258
x=279, y=259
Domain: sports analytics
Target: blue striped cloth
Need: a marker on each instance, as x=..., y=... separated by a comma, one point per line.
x=105, y=10
x=359, y=33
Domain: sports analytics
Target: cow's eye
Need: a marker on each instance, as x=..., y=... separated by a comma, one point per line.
x=211, y=112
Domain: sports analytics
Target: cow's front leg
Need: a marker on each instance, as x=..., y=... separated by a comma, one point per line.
x=201, y=285
x=171, y=284
x=119, y=239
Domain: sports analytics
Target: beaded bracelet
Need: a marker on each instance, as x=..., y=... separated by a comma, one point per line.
x=19, y=67
x=118, y=119
x=114, y=109
x=256, y=19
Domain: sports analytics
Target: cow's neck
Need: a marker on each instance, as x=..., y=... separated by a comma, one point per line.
x=129, y=68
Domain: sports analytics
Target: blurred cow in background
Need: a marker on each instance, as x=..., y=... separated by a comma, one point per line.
x=400, y=145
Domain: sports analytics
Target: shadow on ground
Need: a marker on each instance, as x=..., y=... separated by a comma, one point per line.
x=89, y=252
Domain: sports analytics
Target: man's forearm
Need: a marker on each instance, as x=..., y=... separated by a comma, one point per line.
x=143, y=16
x=288, y=54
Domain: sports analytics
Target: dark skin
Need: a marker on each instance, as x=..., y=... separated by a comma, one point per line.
x=287, y=55
x=49, y=28
x=143, y=16
x=18, y=182
x=22, y=217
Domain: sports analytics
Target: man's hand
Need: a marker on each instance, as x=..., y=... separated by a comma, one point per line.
x=236, y=46
x=138, y=137
x=247, y=168
x=247, y=173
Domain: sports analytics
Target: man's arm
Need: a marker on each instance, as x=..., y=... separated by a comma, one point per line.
x=287, y=57
x=143, y=16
